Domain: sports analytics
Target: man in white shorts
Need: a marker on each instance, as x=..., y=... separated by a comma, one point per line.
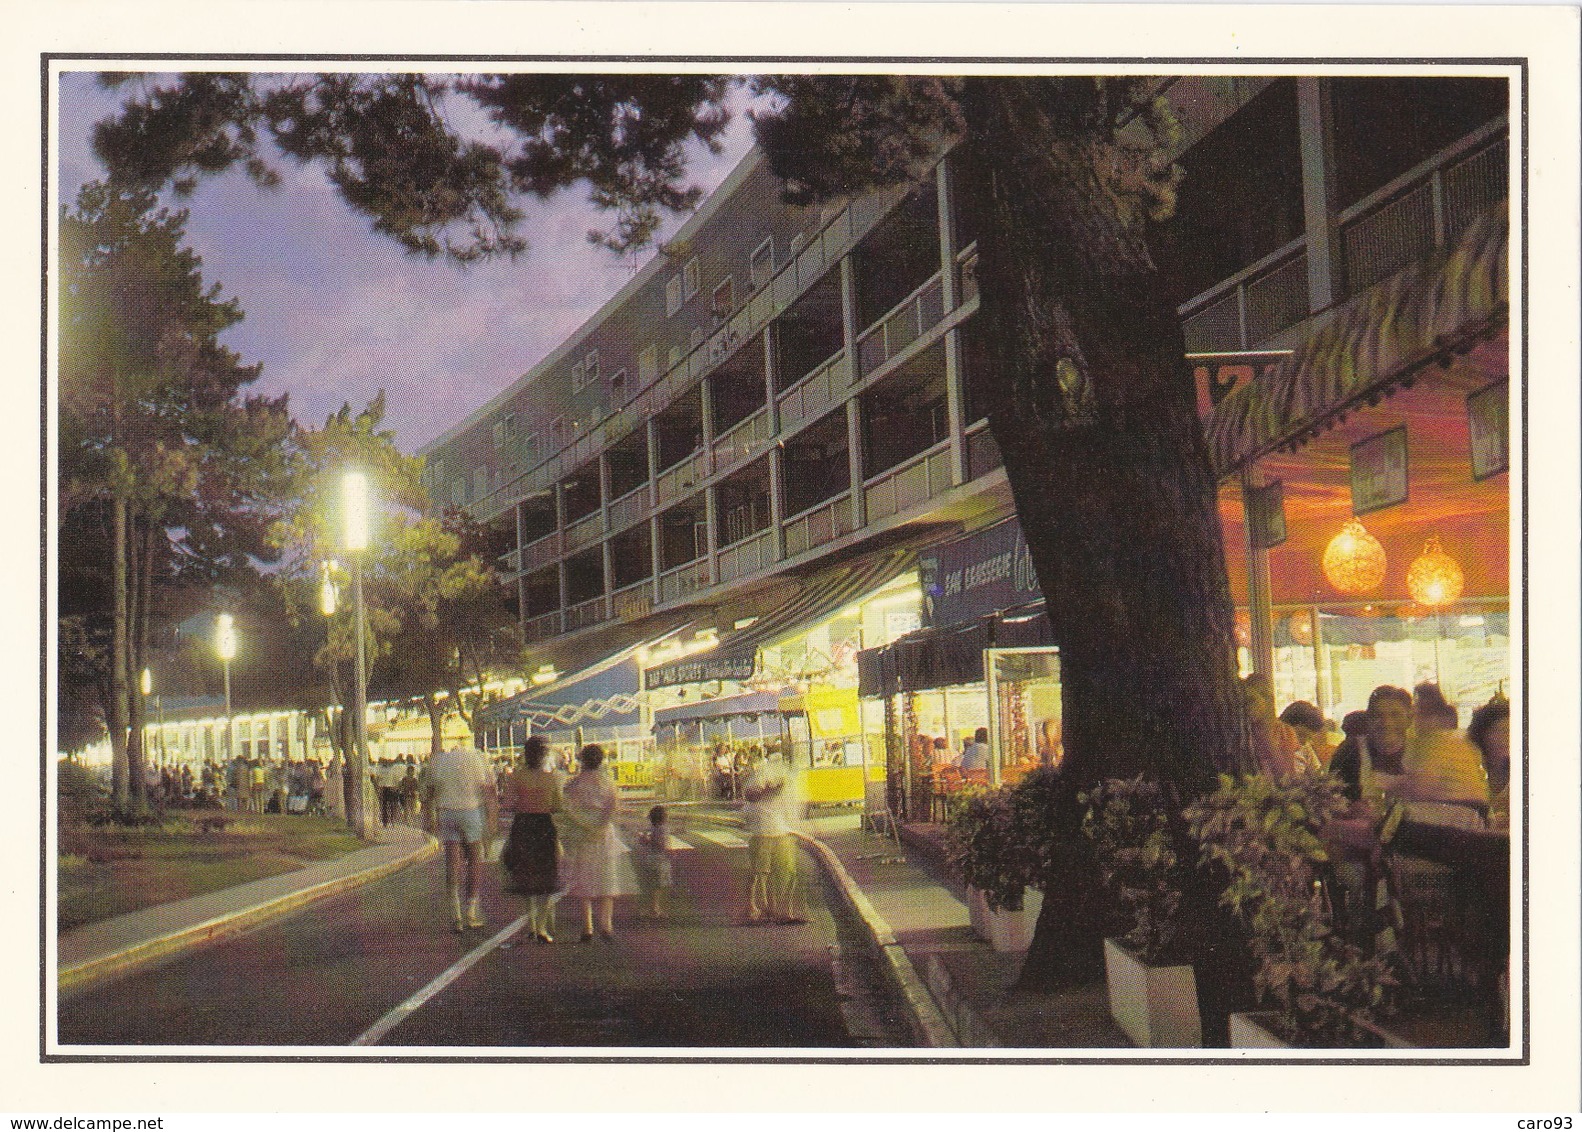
x=459, y=794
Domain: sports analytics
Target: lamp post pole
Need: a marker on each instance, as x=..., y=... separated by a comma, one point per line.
x=225, y=646
x=355, y=512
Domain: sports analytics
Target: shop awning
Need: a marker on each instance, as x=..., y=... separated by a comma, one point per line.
x=821, y=596
x=1422, y=315
x=950, y=655
x=749, y=703
x=602, y=696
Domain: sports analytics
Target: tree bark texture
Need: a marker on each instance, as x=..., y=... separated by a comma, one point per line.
x=436, y=723
x=1092, y=405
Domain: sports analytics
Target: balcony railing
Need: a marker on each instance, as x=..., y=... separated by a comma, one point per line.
x=586, y=613
x=510, y=562
x=747, y=557
x=967, y=273
x=1425, y=209
x=742, y=441
x=541, y=552
x=681, y=478
x=629, y=603
x=1392, y=228
x=920, y=478
x=629, y=508
x=811, y=395
x=584, y=531
x=683, y=580
x=542, y=627
x=918, y=313
x=818, y=525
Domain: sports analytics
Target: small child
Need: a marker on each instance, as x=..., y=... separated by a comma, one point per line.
x=653, y=862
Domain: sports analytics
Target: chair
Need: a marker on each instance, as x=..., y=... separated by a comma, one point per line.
x=876, y=815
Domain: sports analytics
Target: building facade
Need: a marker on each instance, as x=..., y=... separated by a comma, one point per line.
x=788, y=393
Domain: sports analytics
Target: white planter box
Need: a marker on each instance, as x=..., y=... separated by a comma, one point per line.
x=1155, y=1006
x=1250, y=1031
x=1247, y=1031
x=1004, y=931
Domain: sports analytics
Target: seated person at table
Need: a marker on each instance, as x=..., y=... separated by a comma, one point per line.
x=1276, y=745
x=1312, y=732
x=1490, y=732
x=1370, y=757
x=975, y=755
x=1445, y=782
x=941, y=753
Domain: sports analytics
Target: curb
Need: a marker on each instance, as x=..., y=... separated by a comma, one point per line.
x=929, y=1023
x=219, y=927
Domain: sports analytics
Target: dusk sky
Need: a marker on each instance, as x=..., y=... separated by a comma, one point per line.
x=335, y=312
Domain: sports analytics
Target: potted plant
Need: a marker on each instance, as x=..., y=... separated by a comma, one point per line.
x=1323, y=993
x=998, y=843
x=1153, y=995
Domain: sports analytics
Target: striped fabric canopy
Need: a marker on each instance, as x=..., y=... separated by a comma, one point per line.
x=1421, y=315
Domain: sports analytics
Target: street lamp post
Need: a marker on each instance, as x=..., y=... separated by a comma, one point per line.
x=354, y=498
x=225, y=647
x=335, y=782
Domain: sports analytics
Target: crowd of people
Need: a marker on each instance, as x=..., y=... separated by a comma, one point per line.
x=564, y=840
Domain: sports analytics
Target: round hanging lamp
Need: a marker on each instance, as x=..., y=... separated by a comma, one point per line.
x=1354, y=560
x=1435, y=578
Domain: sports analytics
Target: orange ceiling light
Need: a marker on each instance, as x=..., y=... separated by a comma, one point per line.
x=1354, y=560
x=1435, y=578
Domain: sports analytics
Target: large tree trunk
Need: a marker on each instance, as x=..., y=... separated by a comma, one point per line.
x=1093, y=407
x=119, y=713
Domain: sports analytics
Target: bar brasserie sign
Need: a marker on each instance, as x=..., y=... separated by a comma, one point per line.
x=971, y=577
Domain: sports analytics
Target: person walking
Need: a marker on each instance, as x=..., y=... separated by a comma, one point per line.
x=532, y=852
x=773, y=803
x=655, y=873
x=596, y=866
x=460, y=795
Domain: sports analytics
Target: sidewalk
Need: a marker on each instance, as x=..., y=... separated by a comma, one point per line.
x=957, y=987
x=117, y=945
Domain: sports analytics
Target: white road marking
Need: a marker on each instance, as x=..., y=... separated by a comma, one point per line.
x=719, y=837
x=456, y=970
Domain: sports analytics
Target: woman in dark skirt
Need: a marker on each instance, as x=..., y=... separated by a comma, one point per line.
x=532, y=853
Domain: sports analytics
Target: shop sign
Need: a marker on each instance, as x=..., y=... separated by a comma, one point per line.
x=700, y=670
x=1488, y=422
x=832, y=712
x=978, y=575
x=1266, y=514
x=1217, y=376
x=1378, y=471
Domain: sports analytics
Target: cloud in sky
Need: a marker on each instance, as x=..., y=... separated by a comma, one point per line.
x=335, y=313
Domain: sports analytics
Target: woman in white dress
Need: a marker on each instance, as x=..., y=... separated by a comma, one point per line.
x=596, y=865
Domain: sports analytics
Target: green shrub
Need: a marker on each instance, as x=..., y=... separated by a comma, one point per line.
x=1002, y=840
x=1265, y=835
x=1135, y=851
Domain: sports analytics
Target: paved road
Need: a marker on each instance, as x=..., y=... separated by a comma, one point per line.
x=330, y=974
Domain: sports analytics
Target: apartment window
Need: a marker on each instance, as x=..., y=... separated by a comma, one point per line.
x=480, y=482
x=675, y=356
x=527, y=449
x=722, y=300
x=761, y=266
x=691, y=278
x=504, y=430
x=557, y=432
x=699, y=333
x=579, y=378
x=590, y=367
x=648, y=364
x=618, y=383
x=458, y=492
x=673, y=296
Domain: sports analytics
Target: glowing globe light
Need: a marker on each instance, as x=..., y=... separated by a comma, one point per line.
x=1301, y=626
x=1435, y=578
x=1354, y=560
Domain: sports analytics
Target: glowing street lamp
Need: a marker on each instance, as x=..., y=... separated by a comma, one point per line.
x=354, y=513
x=225, y=648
